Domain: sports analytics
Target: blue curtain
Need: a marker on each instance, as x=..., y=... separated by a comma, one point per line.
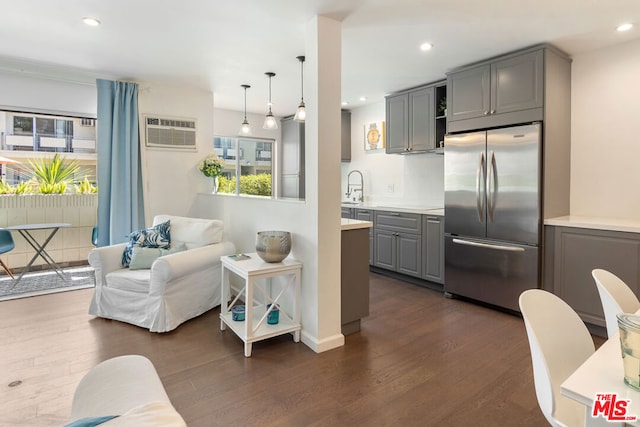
x=120, y=203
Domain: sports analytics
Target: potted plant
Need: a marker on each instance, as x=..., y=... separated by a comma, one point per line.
x=211, y=166
x=442, y=106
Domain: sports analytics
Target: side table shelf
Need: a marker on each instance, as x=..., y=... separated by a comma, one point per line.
x=255, y=327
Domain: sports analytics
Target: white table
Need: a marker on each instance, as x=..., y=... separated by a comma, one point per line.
x=25, y=231
x=602, y=373
x=255, y=327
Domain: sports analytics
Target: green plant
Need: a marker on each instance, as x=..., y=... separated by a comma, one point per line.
x=442, y=105
x=85, y=187
x=53, y=174
x=23, y=187
x=255, y=185
x=5, y=188
x=211, y=165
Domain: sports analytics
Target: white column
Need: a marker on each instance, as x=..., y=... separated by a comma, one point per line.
x=322, y=330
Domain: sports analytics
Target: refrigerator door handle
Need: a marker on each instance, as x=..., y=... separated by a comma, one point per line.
x=488, y=245
x=480, y=191
x=491, y=185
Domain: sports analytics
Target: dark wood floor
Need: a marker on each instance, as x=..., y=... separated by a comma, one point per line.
x=420, y=360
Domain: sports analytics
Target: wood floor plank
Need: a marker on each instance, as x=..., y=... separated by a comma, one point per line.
x=420, y=360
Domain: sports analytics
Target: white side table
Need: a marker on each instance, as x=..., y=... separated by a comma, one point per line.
x=255, y=327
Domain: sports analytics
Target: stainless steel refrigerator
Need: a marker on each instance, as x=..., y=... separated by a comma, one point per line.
x=492, y=214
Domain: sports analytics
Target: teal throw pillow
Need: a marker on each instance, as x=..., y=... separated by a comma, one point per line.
x=142, y=258
x=157, y=236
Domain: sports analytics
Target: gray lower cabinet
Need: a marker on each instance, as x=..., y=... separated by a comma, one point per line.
x=346, y=212
x=354, y=278
x=572, y=253
x=398, y=242
x=433, y=248
x=367, y=215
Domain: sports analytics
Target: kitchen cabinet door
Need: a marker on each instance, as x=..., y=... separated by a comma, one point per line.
x=385, y=249
x=422, y=120
x=367, y=215
x=397, y=125
x=433, y=248
x=468, y=93
x=346, y=212
x=578, y=251
x=516, y=83
x=409, y=254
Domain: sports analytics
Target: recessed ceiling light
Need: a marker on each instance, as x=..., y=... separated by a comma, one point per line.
x=625, y=27
x=91, y=21
x=426, y=46
x=363, y=98
x=345, y=103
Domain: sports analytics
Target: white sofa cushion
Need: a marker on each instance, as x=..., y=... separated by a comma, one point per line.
x=129, y=280
x=193, y=232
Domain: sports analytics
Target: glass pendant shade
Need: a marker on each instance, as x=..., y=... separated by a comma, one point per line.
x=245, y=128
x=270, y=122
x=301, y=112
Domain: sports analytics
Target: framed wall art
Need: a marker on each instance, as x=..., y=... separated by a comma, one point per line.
x=374, y=136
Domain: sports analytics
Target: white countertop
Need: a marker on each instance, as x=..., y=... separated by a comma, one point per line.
x=429, y=210
x=354, y=224
x=595, y=223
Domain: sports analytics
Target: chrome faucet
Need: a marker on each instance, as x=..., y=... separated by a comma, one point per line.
x=352, y=188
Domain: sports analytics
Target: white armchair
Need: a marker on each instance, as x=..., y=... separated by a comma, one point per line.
x=176, y=288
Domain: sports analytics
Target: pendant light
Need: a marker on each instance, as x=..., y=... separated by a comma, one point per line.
x=301, y=113
x=245, y=129
x=270, y=121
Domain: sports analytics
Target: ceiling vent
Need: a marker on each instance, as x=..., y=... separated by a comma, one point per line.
x=174, y=133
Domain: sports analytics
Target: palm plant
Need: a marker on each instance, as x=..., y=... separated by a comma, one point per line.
x=54, y=174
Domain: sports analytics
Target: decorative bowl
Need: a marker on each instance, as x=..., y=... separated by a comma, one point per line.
x=273, y=246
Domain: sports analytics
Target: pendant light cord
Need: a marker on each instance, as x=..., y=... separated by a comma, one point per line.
x=302, y=80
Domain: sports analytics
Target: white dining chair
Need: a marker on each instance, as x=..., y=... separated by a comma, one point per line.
x=615, y=296
x=559, y=343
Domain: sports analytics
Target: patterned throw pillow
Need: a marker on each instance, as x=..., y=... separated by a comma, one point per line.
x=157, y=236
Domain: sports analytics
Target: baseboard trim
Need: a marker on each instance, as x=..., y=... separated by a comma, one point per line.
x=323, y=345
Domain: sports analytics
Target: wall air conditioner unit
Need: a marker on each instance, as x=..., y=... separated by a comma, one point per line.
x=173, y=133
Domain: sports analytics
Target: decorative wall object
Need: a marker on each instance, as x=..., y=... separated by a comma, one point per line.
x=374, y=136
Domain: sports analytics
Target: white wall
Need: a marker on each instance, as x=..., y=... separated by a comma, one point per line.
x=171, y=177
x=47, y=95
x=605, y=137
x=416, y=179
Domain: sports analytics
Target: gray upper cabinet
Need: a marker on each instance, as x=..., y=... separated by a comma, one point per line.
x=500, y=92
x=397, y=126
x=292, y=159
x=410, y=121
x=346, y=136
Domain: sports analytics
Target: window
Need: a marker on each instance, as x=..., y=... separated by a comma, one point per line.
x=26, y=136
x=48, y=133
x=249, y=161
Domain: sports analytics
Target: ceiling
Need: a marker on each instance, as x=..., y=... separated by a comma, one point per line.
x=219, y=45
